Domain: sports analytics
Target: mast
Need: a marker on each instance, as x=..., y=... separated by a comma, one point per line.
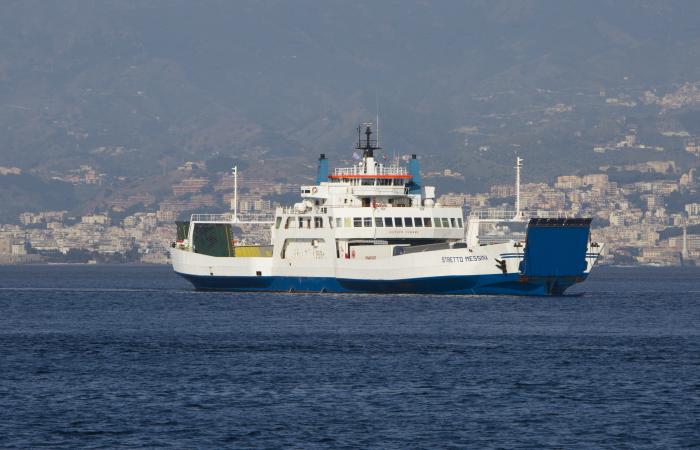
x=377, y=102
x=518, y=166
x=235, y=194
x=369, y=145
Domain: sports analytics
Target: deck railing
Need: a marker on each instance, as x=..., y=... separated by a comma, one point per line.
x=217, y=218
x=356, y=170
x=249, y=218
x=506, y=215
x=492, y=215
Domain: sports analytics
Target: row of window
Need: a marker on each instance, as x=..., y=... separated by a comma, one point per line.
x=378, y=222
x=399, y=222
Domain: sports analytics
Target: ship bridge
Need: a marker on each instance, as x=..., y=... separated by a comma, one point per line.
x=368, y=201
x=368, y=182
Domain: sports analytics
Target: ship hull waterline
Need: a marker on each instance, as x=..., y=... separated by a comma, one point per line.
x=491, y=284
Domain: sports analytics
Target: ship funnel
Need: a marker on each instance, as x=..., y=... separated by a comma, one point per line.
x=416, y=184
x=322, y=173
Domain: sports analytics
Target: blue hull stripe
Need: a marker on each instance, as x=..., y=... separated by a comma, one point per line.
x=500, y=284
x=520, y=255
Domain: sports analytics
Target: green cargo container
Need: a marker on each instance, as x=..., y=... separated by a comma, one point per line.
x=213, y=239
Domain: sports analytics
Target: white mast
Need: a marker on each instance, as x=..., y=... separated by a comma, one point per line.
x=377, y=100
x=235, y=194
x=518, y=166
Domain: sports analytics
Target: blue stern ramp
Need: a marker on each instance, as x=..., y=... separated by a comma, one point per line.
x=555, y=253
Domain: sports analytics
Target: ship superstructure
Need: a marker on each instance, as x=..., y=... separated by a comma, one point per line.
x=374, y=227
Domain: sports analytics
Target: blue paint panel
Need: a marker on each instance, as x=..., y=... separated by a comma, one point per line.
x=416, y=183
x=322, y=172
x=500, y=284
x=556, y=248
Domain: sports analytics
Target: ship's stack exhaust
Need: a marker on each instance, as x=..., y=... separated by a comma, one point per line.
x=322, y=172
x=415, y=186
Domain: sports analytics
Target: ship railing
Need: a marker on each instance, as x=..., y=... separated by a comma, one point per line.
x=506, y=215
x=250, y=218
x=545, y=214
x=214, y=218
x=356, y=170
x=491, y=240
x=262, y=218
x=327, y=208
x=493, y=215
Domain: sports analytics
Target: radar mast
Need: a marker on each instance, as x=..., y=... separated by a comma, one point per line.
x=368, y=145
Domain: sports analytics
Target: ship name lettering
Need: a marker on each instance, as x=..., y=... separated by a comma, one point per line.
x=462, y=259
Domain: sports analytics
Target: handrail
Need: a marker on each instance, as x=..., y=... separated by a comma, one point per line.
x=381, y=170
x=492, y=215
x=512, y=215
x=262, y=219
x=212, y=217
x=380, y=207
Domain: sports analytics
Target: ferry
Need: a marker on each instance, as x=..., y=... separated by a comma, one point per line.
x=376, y=228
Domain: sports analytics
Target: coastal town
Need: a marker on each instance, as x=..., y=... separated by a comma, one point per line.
x=641, y=222
x=642, y=191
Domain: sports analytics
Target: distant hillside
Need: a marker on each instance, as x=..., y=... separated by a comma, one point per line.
x=130, y=87
x=20, y=193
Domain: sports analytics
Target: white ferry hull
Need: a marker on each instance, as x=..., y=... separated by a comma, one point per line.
x=493, y=269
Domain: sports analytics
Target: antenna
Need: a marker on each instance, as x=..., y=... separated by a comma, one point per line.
x=235, y=194
x=367, y=145
x=518, y=166
x=376, y=99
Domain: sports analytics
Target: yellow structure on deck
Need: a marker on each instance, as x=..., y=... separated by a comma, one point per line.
x=252, y=251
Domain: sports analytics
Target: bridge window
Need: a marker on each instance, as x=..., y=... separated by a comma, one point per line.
x=357, y=222
x=339, y=222
x=453, y=222
x=438, y=223
x=408, y=221
x=388, y=222
x=398, y=222
x=368, y=182
x=459, y=222
x=445, y=223
x=418, y=221
x=278, y=222
x=346, y=222
x=428, y=222
x=368, y=222
x=318, y=222
x=378, y=222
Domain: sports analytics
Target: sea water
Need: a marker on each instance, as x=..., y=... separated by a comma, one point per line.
x=131, y=356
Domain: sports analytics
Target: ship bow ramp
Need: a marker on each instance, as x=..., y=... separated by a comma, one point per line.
x=555, y=253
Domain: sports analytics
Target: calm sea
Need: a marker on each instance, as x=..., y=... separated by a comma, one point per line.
x=131, y=356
